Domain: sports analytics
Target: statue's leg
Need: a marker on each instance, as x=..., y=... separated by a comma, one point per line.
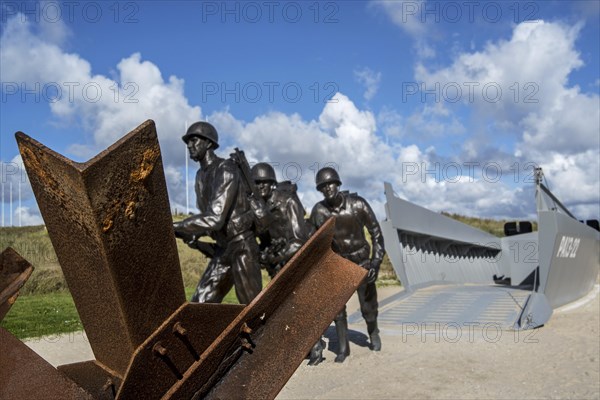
x=272, y=271
x=215, y=283
x=341, y=328
x=246, y=269
x=367, y=296
x=316, y=353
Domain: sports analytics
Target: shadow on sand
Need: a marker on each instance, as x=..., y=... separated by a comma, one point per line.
x=355, y=337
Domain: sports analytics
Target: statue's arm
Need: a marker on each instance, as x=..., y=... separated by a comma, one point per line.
x=223, y=198
x=374, y=229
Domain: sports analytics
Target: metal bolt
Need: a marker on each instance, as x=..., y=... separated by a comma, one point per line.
x=159, y=349
x=246, y=329
x=110, y=385
x=178, y=329
x=246, y=345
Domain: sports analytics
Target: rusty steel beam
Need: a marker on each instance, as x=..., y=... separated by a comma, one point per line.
x=110, y=223
x=92, y=376
x=25, y=375
x=162, y=360
x=260, y=350
x=14, y=272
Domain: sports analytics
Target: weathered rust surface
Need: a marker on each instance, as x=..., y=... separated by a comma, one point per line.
x=100, y=382
x=14, y=272
x=166, y=355
x=25, y=375
x=260, y=350
x=110, y=224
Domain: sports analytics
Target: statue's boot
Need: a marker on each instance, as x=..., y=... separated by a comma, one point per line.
x=374, y=335
x=341, y=328
x=316, y=353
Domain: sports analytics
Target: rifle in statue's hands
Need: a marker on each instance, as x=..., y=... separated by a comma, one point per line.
x=273, y=254
x=259, y=208
x=192, y=241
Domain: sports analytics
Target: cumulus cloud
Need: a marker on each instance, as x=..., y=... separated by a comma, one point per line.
x=108, y=108
x=408, y=15
x=27, y=216
x=343, y=135
x=515, y=76
x=555, y=125
x=369, y=79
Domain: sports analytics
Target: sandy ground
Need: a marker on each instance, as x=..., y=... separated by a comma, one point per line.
x=558, y=361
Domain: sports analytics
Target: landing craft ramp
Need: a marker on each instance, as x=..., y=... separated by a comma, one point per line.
x=454, y=305
x=456, y=274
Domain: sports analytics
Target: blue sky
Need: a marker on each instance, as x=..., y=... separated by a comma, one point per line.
x=451, y=102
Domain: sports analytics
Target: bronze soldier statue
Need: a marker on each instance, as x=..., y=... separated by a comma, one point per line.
x=352, y=214
x=288, y=230
x=225, y=216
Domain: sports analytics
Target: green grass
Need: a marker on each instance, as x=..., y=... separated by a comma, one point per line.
x=493, y=226
x=41, y=315
x=36, y=315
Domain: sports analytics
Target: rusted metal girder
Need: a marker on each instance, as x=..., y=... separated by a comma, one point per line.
x=256, y=354
x=110, y=224
x=24, y=374
x=276, y=331
x=14, y=272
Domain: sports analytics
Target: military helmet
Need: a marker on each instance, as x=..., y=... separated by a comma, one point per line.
x=327, y=175
x=263, y=172
x=204, y=130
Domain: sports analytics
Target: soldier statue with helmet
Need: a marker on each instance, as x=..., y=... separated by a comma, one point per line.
x=352, y=215
x=225, y=216
x=288, y=230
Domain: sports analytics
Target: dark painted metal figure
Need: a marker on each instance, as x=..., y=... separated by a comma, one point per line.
x=226, y=217
x=288, y=230
x=352, y=214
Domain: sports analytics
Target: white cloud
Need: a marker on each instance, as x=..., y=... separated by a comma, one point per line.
x=408, y=15
x=555, y=125
x=26, y=216
x=343, y=134
x=346, y=136
x=105, y=107
x=531, y=70
x=369, y=79
x=574, y=178
x=432, y=123
x=30, y=57
x=390, y=122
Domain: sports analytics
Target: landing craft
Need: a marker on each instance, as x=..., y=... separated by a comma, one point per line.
x=454, y=273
